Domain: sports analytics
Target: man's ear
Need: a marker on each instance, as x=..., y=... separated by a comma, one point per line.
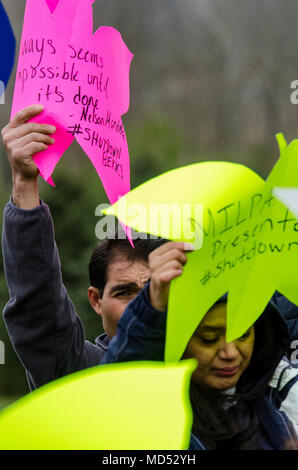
x=95, y=299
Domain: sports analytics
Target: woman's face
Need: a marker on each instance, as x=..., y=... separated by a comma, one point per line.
x=220, y=364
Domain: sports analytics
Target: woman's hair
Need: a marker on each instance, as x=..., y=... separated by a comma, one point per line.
x=224, y=421
x=220, y=424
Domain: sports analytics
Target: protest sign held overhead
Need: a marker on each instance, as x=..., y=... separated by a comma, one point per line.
x=82, y=80
x=249, y=241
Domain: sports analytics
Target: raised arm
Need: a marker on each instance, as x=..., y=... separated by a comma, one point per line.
x=22, y=140
x=41, y=320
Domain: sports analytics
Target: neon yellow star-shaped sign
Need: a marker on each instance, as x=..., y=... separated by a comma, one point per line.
x=142, y=405
x=250, y=240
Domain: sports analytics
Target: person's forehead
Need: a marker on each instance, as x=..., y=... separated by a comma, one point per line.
x=216, y=317
x=122, y=270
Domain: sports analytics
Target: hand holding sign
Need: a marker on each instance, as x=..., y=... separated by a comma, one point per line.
x=82, y=79
x=250, y=241
x=23, y=139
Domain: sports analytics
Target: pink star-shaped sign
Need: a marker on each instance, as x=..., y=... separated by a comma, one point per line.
x=82, y=79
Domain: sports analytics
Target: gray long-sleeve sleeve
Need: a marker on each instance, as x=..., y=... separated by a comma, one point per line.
x=46, y=333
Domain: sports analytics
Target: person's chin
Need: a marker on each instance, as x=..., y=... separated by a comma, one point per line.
x=213, y=381
x=223, y=383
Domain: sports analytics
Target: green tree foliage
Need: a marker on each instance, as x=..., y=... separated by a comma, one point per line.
x=155, y=146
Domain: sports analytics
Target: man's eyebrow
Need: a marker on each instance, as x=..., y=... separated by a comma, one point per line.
x=125, y=286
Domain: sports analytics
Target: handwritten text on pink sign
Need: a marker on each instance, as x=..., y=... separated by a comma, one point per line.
x=82, y=79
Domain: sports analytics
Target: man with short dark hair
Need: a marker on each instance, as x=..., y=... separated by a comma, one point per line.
x=117, y=273
x=47, y=334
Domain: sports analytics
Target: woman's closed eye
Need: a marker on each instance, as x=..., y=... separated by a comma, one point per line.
x=209, y=340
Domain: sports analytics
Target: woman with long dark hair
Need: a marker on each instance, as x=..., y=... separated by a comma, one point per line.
x=236, y=398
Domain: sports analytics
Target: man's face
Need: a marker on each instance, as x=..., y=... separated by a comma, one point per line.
x=125, y=279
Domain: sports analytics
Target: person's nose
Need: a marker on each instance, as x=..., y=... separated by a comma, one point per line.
x=228, y=351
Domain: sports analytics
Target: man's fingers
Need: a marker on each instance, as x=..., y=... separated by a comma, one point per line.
x=35, y=137
x=173, y=245
x=16, y=145
x=34, y=147
x=173, y=254
x=168, y=276
x=12, y=137
x=23, y=116
x=166, y=263
x=161, y=273
x=30, y=127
